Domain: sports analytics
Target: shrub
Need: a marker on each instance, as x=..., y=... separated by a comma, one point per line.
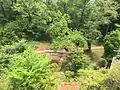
x=113, y=80
x=91, y=79
x=77, y=38
x=77, y=60
x=69, y=75
x=4, y=82
x=17, y=47
x=32, y=71
x=101, y=63
x=7, y=51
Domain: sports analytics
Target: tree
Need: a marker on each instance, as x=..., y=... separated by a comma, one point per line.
x=42, y=18
x=88, y=15
x=111, y=43
x=35, y=21
x=98, y=13
x=69, y=42
x=6, y=12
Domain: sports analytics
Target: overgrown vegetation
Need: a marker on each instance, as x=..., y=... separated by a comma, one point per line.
x=72, y=26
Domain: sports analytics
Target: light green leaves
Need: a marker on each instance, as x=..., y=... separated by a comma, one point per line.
x=31, y=70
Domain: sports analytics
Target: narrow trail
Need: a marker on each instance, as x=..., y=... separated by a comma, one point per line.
x=97, y=47
x=97, y=52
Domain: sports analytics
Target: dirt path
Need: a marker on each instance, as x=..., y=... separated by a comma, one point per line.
x=97, y=47
x=97, y=51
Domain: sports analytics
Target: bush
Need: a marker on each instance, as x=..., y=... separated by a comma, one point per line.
x=69, y=75
x=77, y=60
x=101, y=63
x=4, y=83
x=32, y=71
x=7, y=52
x=91, y=79
x=17, y=47
x=113, y=80
x=77, y=38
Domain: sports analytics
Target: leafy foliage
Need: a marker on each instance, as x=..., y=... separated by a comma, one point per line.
x=6, y=12
x=88, y=15
x=32, y=71
x=113, y=80
x=4, y=82
x=101, y=63
x=69, y=25
x=40, y=17
x=70, y=41
x=35, y=21
x=91, y=79
x=111, y=43
x=7, y=52
x=78, y=60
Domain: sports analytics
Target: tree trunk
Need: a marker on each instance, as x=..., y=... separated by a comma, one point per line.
x=108, y=64
x=89, y=45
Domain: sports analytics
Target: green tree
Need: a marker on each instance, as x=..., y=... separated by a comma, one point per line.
x=73, y=40
x=35, y=20
x=42, y=18
x=6, y=12
x=88, y=15
x=111, y=43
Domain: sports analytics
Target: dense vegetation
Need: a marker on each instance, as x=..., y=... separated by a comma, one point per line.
x=72, y=25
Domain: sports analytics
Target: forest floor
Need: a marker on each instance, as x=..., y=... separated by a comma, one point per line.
x=42, y=46
x=96, y=54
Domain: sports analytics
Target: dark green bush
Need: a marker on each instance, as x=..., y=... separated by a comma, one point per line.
x=101, y=63
x=77, y=60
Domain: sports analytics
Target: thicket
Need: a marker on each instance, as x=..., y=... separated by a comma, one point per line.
x=27, y=70
x=67, y=24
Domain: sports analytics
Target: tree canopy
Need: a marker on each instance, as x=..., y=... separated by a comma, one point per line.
x=71, y=28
